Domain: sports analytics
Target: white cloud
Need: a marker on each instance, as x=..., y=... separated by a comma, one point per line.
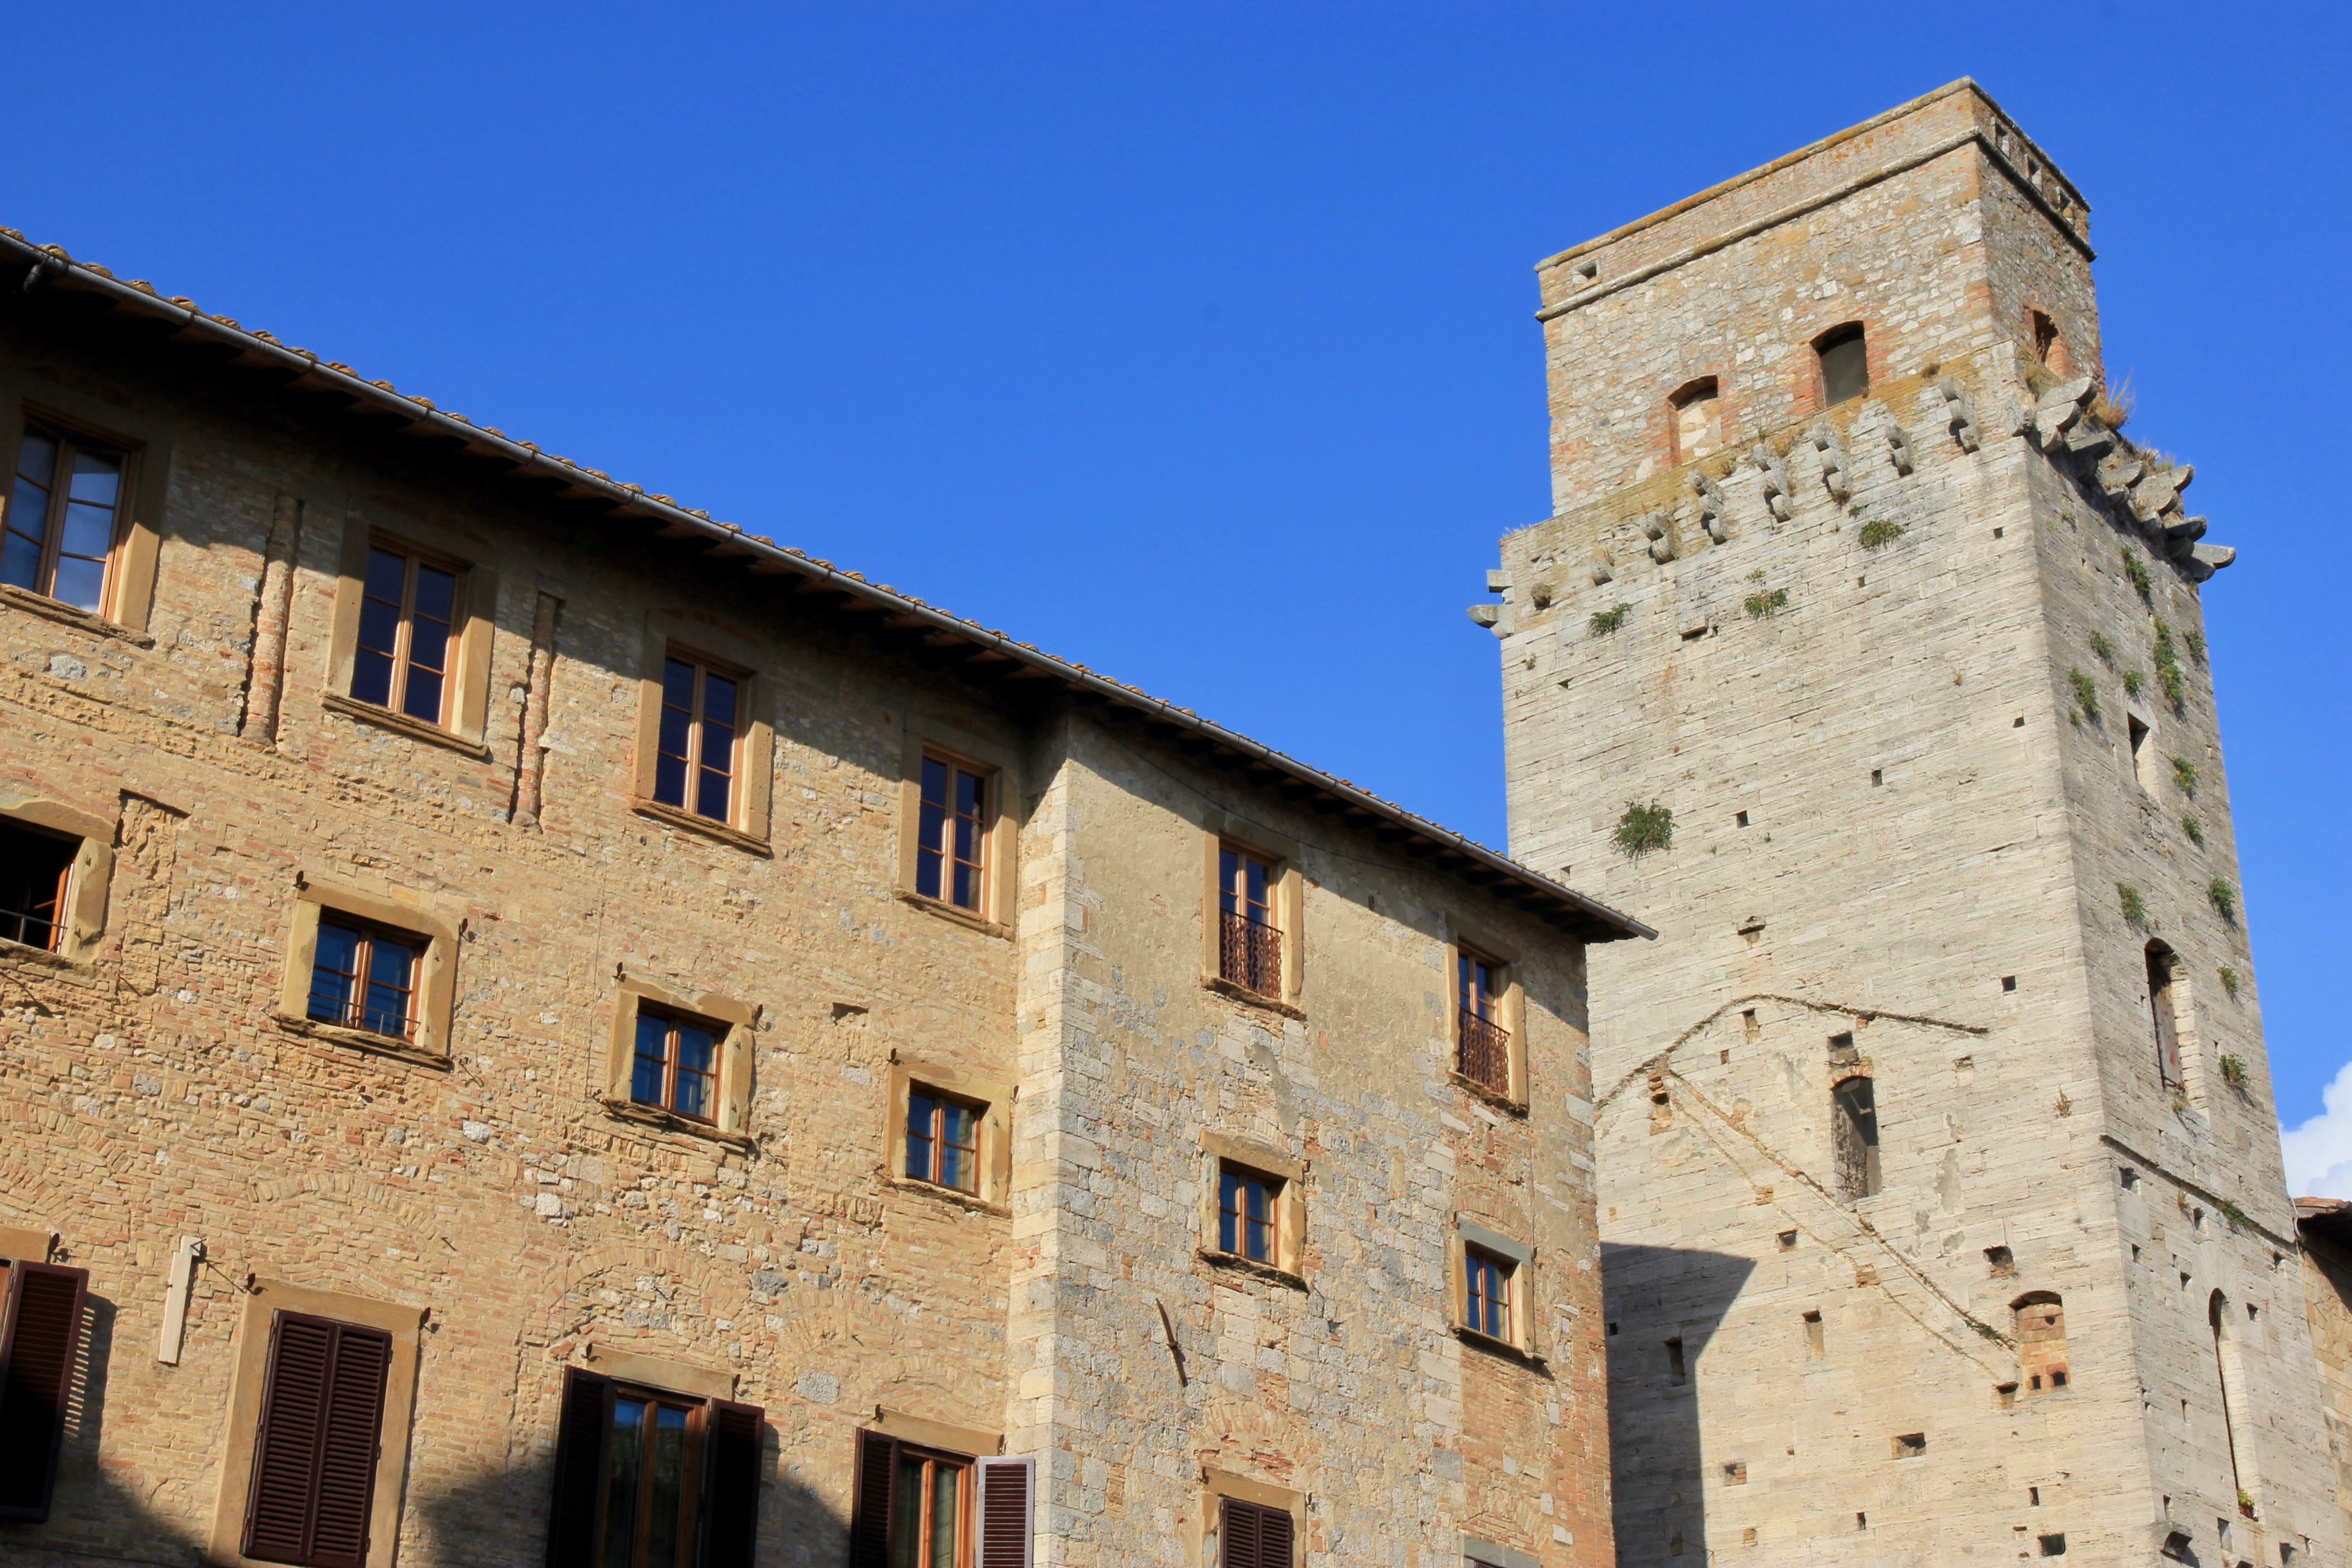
x=2319, y=1152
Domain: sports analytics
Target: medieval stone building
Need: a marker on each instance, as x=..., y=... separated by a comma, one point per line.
x=536, y=1027
x=1941, y=1199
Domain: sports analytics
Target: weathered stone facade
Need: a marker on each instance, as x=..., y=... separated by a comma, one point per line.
x=1920, y=1247
x=487, y=1192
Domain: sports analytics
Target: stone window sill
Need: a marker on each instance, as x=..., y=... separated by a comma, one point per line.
x=956, y=913
x=65, y=614
x=365, y=1040
x=1249, y=998
x=1487, y=1092
x=1504, y=1348
x=671, y=1121
x=25, y=952
x=952, y=1196
x=671, y=816
x=402, y=724
x=1251, y=1266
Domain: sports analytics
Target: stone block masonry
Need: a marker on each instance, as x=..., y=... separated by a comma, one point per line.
x=1940, y=1199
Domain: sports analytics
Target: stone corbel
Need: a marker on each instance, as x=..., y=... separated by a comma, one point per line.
x=1959, y=413
x=1832, y=447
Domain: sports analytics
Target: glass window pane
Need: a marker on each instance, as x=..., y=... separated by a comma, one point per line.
x=332, y=971
x=676, y=726
x=387, y=575
x=677, y=683
x=696, y=1048
x=651, y=1058
x=389, y=966
x=1256, y=872
x=421, y=699
x=714, y=793
x=97, y=476
x=717, y=701
x=379, y=624
x=906, y=1514
x=428, y=643
x=931, y=826
x=968, y=793
x=36, y=460
x=934, y=786
x=946, y=1496
x=20, y=561
x=81, y=583
x=645, y=1082
x=437, y=593
x=1228, y=874
x=966, y=894
x=919, y=1108
x=1228, y=1213
x=665, y=1510
x=90, y=529
x=670, y=780
x=372, y=677
x=624, y=1478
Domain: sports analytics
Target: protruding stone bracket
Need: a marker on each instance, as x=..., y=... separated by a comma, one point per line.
x=1959, y=413
x=1832, y=447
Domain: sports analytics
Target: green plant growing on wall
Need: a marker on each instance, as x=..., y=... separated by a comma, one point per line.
x=2103, y=650
x=2135, y=908
x=2224, y=897
x=1879, y=534
x=2167, y=669
x=2195, y=829
x=2184, y=774
x=1603, y=622
x=2136, y=570
x=2237, y=1221
x=1643, y=828
x=1763, y=606
x=2195, y=643
x=2230, y=981
x=2131, y=683
x=2086, y=694
x=2233, y=1073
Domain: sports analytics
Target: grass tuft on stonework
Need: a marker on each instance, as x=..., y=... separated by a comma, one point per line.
x=2127, y=899
x=1764, y=606
x=2184, y=774
x=2102, y=649
x=2224, y=897
x=1644, y=828
x=1603, y=622
x=2195, y=829
x=2087, y=693
x=2229, y=982
x=2136, y=570
x=1879, y=534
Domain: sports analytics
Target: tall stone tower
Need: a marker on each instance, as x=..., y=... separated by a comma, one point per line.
x=1941, y=1201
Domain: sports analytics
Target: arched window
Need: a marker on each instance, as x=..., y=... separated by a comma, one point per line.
x=2040, y=1340
x=2163, y=1012
x=1854, y=1135
x=1697, y=419
x=1844, y=356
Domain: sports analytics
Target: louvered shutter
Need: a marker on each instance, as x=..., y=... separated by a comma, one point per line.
x=40, y=1338
x=1254, y=1536
x=731, y=1483
x=869, y=1518
x=1006, y=1488
x=581, y=1431
x=314, y=1458
x=1274, y=1548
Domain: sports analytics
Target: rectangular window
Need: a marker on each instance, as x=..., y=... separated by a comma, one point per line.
x=1855, y=1137
x=40, y=1338
x=676, y=1065
x=62, y=519
x=314, y=1452
x=364, y=977
x=407, y=634
x=1245, y=1212
x=1250, y=951
x=1846, y=363
x=924, y=1507
x=950, y=855
x=1486, y=1045
x=942, y=1141
x=695, y=762
x=647, y=1508
x=1251, y=1535
x=36, y=868
x=1487, y=1293
x=931, y=1509
x=649, y=1478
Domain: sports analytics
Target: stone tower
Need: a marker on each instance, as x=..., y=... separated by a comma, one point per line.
x=1941, y=1201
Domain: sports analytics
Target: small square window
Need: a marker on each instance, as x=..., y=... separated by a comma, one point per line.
x=64, y=518
x=695, y=752
x=951, y=854
x=1487, y=1293
x=676, y=1063
x=1247, y=1222
x=363, y=976
x=2008, y=983
x=36, y=868
x=942, y=1140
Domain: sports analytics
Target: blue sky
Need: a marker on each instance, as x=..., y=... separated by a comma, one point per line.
x=1195, y=342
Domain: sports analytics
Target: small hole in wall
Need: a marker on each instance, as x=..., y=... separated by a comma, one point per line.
x=1748, y=1536
x=1787, y=1239
x=1612, y=1328
x=1740, y=818
x=2128, y=1177
x=2004, y=1396
x=1861, y=1521
x=2018, y=722
x=2008, y=983
x=2032, y=1494
x=1724, y=1057
x=1996, y=533
x=1876, y=778
x=2053, y=1546
x=1860, y=582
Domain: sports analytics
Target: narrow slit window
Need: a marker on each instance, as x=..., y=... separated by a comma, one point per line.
x=408, y=616
x=695, y=762
x=1854, y=1123
x=951, y=860
x=364, y=977
x=1245, y=1212
x=1487, y=1293
x=64, y=515
x=1250, y=951
x=943, y=1141
x=2164, y=1015
x=1486, y=1045
x=677, y=1064
x=1846, y=363
x=36, y=870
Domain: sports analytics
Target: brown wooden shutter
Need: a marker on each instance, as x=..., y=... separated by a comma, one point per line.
x=314, y=1458
x=869, y=1518
x=40, y=1338
x=581, y=1431
x=1254, y=1536
x=731, y=1483
x=1005, y=1503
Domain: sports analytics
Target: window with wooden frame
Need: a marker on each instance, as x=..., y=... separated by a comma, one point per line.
x=951, y=850
x=1249, y=949
x=677, y=1064
x=1248, y=1218
x=1492, y=1285
x=918, y=1507
x=1253, y=1535
x=364, y=976
x=1482, y=1051
x=64, y=518
x=41, y=1313
x=696, y=760
x=312, y=1494
x=1486, y=1293
x=645, y=1478
x=36, y=873
x=943, y=1139
x=407, y=633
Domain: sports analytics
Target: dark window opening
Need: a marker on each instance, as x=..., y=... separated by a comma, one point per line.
x=36, y=869
x=1246, y=1223
x=1676, y=1370
x=2008, y=983
x=1249, y=951
x=649, y=1478
x=2001, y=1261
x=952, y=847
x=1487, y=1293
x=408, y=615
x=943, y=1140
x=1816, y=1343
x=676, y=1065
x=1855, y=1138
x=694, y=761
x=2053, y=1546
x=41, y=1307
x=1910, y=1444
x=62, y=520
x=2049, y=347
x=1846, y=363
x=364, y=977
x=1484, y=1045
x=2163, y=1014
